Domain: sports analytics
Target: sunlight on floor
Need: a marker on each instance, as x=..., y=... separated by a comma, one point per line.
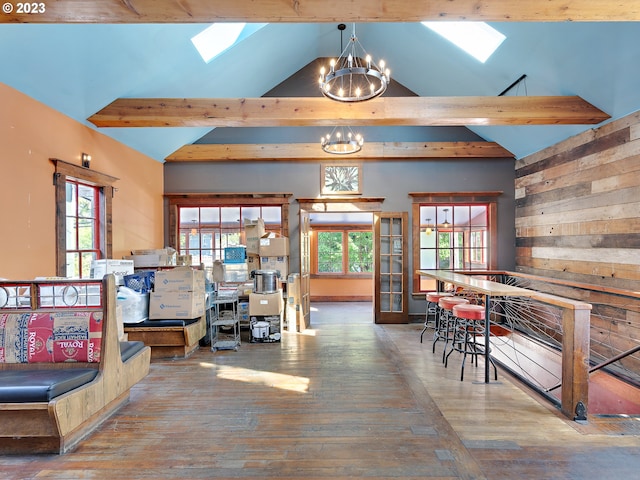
x=270, y=379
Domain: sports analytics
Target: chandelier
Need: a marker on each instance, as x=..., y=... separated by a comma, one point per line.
x=354, y=76
x=342, y=141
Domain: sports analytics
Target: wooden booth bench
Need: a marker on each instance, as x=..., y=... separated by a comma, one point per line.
x=63, y=370
x=169, y=338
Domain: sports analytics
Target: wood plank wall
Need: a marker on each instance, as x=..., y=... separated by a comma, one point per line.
x=578, y=208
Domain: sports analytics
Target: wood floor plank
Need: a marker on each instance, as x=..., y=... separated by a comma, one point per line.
x=346, y=399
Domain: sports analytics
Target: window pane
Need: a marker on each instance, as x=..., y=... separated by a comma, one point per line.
x=479, y=216
x=71, y=199
x=86, y=237
x=230, y=217
x=360, y=252
x=210, y=216
x=428, y=259
x=71, y=234
x=252, y=213
x=329, y=252
x=73, y=264
x=86, y=202
x=444, y=250
x=272, y=215
x=87, y=259
x=188, y=217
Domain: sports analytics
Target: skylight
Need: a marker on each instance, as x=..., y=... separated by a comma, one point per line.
x=476, y=38
x=215, y=39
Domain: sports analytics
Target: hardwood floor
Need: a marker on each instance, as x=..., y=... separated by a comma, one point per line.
x=344, y=399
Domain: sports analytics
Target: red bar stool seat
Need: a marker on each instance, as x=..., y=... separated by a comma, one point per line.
x=432, y=315
x=469, y=323
x=446, y=330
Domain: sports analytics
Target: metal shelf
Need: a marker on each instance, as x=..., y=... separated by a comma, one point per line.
x=224, y=340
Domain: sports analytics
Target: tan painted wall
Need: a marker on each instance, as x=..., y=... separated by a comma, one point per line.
x=30, y=134
x=337, y=289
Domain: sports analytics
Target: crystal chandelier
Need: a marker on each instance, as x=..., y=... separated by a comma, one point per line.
x=354, y=76
x=342, y=141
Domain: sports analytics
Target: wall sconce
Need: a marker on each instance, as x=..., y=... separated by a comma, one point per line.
x=86, y=160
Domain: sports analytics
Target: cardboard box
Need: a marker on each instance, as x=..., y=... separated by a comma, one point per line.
x=253, y=232
x=154, y=251
x=152, y=260
x=274, y=247
x=179, y=279
x=236, y=272
x=253, y=263
x=279, y=264
x=120, y=268
x=184, y=260
x=293, y=289
x=244, y=289
x=176, y=305
x=261, y=304
x=293, y=317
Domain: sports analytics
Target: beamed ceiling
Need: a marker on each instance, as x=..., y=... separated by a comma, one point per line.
x=129, y=70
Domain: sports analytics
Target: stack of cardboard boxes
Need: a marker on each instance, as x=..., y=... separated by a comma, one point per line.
x=266, y=252
x=179, y=293
x=152, y=258
x=293, y=310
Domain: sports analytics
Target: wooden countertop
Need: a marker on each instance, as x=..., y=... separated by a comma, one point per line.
x=486, y=287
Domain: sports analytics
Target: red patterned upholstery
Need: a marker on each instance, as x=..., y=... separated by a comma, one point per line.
x=50, y=337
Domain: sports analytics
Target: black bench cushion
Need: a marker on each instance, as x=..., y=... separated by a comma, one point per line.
x=163, y=323
x=20, y=386
x=129, y=349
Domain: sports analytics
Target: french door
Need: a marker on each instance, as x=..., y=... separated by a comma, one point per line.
x=391, y=300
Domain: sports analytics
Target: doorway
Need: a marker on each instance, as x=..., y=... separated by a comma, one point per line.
x=341, y=267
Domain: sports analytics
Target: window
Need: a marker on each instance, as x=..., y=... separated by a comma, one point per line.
x=82, y=228
x=478, y=39
x=205, y=231
x=452, y=234
x=83, y=218
x=343, y=251
x=454, y=240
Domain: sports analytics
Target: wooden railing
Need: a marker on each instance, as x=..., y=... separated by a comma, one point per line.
x=613, y=326
x=512, y=306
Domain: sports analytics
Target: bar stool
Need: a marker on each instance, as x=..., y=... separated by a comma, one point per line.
x=433, y=311
x=445, y=328
x=469, y=324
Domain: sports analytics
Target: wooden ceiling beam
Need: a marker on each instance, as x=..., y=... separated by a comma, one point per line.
x=312, y=151
x=385, y=111
x=317, y=11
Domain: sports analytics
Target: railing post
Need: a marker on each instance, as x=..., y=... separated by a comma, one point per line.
x=575, y=362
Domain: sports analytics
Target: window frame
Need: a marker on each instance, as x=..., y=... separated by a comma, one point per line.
x=220, y=200
x=220, y=231
x=345, y=230
x=65, y=171
x=454, y=199
x=82, y=222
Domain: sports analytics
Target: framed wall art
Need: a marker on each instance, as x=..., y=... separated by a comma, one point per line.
x=341, y=179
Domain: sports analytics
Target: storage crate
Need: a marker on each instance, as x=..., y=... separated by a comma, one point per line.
x=141, y=282
x=235, y=254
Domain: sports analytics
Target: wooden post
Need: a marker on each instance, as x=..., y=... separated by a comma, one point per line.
x=575, y=362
